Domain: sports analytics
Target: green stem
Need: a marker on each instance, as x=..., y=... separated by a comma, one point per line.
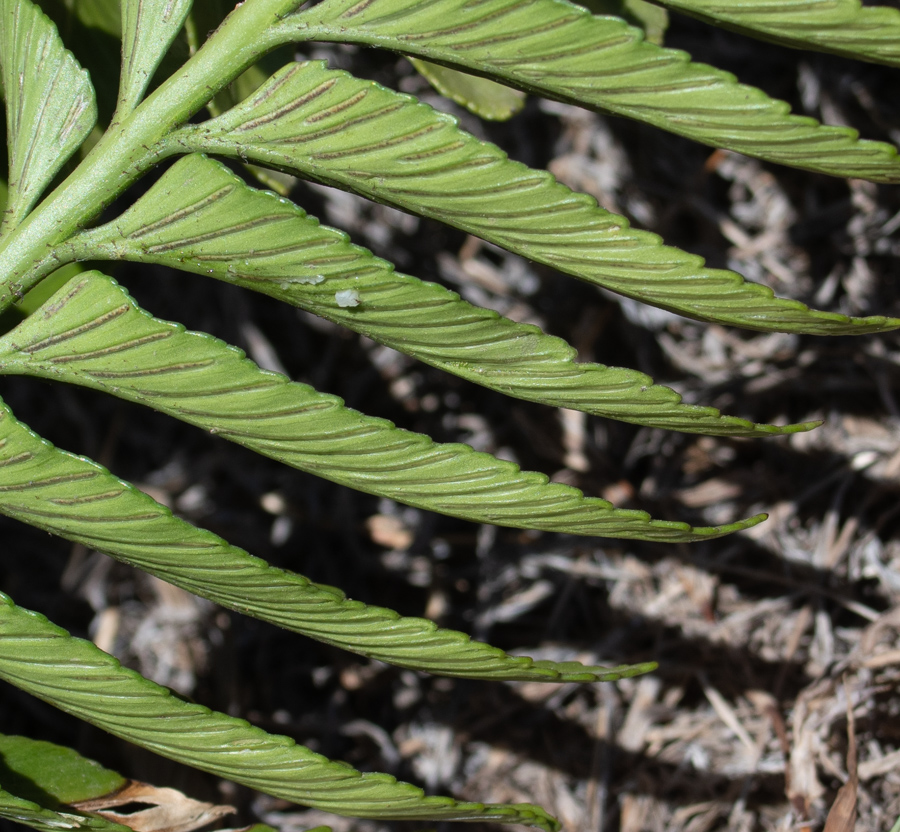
x=130, y=148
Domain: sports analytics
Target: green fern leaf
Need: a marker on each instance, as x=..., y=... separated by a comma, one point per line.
x=647, y=16
x=80, y=501
x=49, y=111
x=33, y=814
x=148, y=29
x=41, y=779
x=53, y=773
x=842, y=27
x=104, y=15
x=497, y=102
x=333, y=128
x=556, y=49
x=481, y=96
x=91, y=333
x=203, y=218
x=77, y=677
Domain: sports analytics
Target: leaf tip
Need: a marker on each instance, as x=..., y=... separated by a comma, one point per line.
x=750, y=522
x=625, y=671
x=802, y=427
x=730, y=528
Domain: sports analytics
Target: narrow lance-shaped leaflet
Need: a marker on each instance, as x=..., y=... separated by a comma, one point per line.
x=330, y=127
x=81, y=501
x=79, y=678
x=559, y=50
x=202, y=218
x=50, y=104
x=148, y=29
x=842, y=27
x=91, y=333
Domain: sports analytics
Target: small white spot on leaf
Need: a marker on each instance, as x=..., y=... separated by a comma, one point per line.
x=347, y=297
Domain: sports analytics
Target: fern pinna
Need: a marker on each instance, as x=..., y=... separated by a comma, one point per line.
x=199, y=216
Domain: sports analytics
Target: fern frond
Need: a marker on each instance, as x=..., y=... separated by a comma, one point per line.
x=81, y=501
x=30, y=813
x=77, y=677
x=41, y=781
x=148, y=29
x=49, y=111
x=559, y=50
x=330, y=127
x=202, y=218
x=842, y=27
x=482, y=96
x=54, y=773
x=93, y=334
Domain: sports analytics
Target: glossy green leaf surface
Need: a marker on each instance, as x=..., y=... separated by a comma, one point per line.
x=148, y=29
x=200, y=217
x=50, y=110
x=559, y=50
x=91, y=333
x=327, y=126
x=75, y=676
x=39, y=779
x=77, y=499
x=842, y=27
x=44, y=771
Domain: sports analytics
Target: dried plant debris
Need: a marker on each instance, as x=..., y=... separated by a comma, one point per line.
x=168, y=810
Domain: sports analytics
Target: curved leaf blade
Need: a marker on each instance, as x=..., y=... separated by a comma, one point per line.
x=841, y=27
x=148, y=29
x=559, y=50
x=81, y=501
x=485, y=98
x=33, y=814
x=202, y=218
x=105, y=15
x=101, y=339
x=330, y=127
x=653, y=19
x=50, y=104
x=78, y=678
x=40, y=780
x=36, y=769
